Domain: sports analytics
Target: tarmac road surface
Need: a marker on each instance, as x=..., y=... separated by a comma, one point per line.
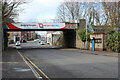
x=56, y=63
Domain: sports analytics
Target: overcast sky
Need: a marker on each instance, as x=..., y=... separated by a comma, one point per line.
x=39, y=9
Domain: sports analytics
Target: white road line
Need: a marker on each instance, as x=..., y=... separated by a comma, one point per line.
x=31, y=67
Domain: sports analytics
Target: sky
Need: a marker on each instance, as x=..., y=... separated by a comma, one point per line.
x=38, y=10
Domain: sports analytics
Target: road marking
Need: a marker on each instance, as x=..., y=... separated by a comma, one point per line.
x=37, y=68
x=33, y=70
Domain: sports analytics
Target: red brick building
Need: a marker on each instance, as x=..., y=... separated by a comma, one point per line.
x=28, y=35
x=98, y=37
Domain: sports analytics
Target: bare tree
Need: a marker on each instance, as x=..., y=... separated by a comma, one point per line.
x=10, y=9
x=69, y=10
x=72, y=10
x=111, y=10
x=96, y=13
x=9, y=12
x=92, y=12
x=61, y=14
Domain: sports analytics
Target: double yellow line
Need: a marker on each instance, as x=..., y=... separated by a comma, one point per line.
x=37, y=68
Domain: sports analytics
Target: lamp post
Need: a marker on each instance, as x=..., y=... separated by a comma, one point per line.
x=86, y=36
x=117, y=29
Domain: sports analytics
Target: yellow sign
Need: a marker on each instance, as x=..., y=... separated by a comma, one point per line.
x=49, y=36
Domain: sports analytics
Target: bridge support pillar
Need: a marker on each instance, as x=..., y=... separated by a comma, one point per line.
x=69, y=38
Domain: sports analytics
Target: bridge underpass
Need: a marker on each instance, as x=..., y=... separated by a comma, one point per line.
x=57, y=63
x=68, y=36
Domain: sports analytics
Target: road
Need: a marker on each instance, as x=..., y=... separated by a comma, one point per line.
x=31, y=44
x=56, y=63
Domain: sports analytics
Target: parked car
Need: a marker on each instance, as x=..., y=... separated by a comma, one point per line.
x=24, y=41
x=42, y=43
x=36, y=39
x=21, y=41
x=18, y=43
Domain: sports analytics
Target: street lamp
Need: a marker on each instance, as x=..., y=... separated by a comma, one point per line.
x=86, y=35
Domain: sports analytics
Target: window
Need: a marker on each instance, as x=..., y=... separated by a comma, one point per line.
x=98, y=40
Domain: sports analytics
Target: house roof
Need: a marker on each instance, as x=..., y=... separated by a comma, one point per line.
x=101, y=28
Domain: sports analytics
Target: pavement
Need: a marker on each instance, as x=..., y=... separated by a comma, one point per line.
x=13, y=66
x=102, y=53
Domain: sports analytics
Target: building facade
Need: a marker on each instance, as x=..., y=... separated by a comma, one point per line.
x=98, y=37
x=97, y=41
x=14, y=35
x=22, y=35
x=28, y=35
x=53, y=36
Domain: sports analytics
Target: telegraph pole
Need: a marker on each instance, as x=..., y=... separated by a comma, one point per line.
x=117, y=27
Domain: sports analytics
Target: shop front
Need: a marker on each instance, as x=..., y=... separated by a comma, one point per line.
x=97, y=41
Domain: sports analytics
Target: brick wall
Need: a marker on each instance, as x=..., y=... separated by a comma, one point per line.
x=79, y=43
x=10, y=36
x=99, y=47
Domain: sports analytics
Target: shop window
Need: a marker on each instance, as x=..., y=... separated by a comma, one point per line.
x=98, y=40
